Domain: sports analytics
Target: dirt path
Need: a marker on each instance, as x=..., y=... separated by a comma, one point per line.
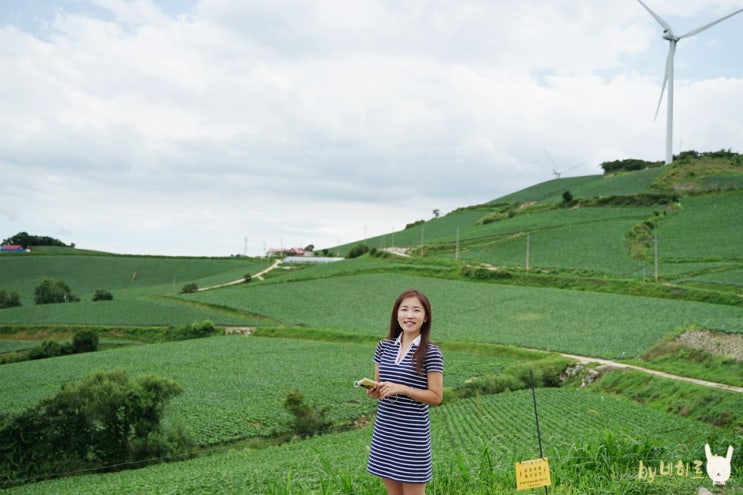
x=614, y=364
x=258, y=275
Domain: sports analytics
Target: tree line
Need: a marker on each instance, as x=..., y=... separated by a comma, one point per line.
x=50, y=291
x=632, y=164
x=27, y=240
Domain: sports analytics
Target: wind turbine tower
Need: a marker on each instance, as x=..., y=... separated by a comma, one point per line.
x=557, y=173
x=668, y=78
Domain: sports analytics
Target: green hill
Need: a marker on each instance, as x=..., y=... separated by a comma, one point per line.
x=589, y=289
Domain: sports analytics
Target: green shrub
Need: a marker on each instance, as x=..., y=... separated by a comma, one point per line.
x=102, y=295
x=47, y=349
x=189, y=288
x=309, y=419
x=85, y=341
x=9, y=299
x=547, y=372
x=104, y=421
x=195, y=331
x=479, y=273
x=358, y=250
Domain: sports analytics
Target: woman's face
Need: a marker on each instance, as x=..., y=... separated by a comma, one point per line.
x=411, y=315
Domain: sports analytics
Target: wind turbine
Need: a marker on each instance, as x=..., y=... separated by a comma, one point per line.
x=556, y=172
x=668, y=78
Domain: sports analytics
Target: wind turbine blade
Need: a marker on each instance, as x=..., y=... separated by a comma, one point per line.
x=553, y=162
x=669, y=64
x=699, y=30
x=658, y=18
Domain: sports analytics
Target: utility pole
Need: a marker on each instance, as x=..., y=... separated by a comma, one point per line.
x=655, y=246
x=456, y=249
x=422, y=229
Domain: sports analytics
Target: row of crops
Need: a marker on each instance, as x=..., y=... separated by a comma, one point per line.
x=592, y=324
x=234, y=385
x=499, y=428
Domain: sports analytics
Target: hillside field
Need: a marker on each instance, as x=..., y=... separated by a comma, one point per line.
x=588, y=291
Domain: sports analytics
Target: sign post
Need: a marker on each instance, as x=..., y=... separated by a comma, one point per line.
x=535, y=472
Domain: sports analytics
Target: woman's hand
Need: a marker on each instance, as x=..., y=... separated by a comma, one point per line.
x=388, y=389
x=373, y=392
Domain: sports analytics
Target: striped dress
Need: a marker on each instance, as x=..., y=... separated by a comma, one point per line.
x=401, y=441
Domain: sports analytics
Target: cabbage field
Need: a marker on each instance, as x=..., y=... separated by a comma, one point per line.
x=313, y=330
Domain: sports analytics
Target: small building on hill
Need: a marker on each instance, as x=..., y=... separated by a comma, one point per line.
x=283, y=253
x=11, y=248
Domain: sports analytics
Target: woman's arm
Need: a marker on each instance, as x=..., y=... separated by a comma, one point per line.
x=432, y=395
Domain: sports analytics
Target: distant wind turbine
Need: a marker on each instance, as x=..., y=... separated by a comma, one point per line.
x=668, y=78
x=556, y=172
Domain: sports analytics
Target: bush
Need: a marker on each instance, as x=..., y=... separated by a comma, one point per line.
x=102, y=295
x=9, y=299
x=189, y=288
x=358, y=250
x=47, y=349
x=52, y=291
x=195, y=331
x=309, y=419
x=104, y=421
x=547, y=373
x=479, y=273
x=85, y=341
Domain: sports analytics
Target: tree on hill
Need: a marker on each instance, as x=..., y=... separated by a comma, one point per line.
x=51, y=291
x=26, y=240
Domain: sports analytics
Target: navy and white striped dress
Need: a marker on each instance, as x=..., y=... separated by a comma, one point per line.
x=401, y=441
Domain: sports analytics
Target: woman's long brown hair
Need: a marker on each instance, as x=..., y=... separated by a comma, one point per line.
x=419, y=357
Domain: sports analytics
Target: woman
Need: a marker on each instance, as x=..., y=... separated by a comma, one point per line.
x=409, y=371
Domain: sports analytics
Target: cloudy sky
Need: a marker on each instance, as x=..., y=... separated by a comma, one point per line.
x=217, y=127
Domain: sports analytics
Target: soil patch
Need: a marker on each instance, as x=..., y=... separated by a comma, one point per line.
x=717, y=343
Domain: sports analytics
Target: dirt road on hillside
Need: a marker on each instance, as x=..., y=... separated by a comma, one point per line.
x=614, y=364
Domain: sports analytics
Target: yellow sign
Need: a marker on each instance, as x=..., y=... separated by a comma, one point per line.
x=532, y=474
